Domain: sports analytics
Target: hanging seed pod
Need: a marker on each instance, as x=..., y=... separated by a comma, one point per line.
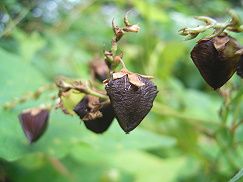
x=216, y=59
x=96, y=117
x=34, y=123
x=132, y=98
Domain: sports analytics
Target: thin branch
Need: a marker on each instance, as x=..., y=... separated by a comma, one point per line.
x=234, y=26
x=28, y=96
x=118, y=34
x=64, y=86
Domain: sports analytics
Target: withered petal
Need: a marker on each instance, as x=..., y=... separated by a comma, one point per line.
x=134, y=79
x=118, y=75
x=130, y=103
x=220, y=42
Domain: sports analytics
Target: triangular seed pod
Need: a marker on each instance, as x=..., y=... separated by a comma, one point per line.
x=131, y=103
x=34, y=123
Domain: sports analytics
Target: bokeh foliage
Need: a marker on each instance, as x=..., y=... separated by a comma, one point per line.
x=187, y=136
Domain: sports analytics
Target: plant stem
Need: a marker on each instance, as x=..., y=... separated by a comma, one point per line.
x=233, y=25
x=29, y=96
x=79, y=86
x=118, y=34
x=89, y=91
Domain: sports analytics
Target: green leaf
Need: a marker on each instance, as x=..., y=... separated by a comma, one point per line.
x=17, y=77
x=147, y=167
x=98, y=148
x=152, y=12
x=29, y=44
x=172, y=52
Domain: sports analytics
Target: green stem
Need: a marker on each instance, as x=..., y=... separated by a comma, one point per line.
x=225, y=152
x=64, y=85
x=89, y=91
x=233, y=25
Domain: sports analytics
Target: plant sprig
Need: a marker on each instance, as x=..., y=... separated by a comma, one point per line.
x=234, y=25
x=28, y=96
x=66, y=85
x=111, y=57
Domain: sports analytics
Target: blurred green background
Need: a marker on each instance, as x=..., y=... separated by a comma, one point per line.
x=191, y=134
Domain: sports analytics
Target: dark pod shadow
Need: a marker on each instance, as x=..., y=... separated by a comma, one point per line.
x=216, y=60
x=34, y=123
x=100, y=125
x=99, y=69
x=239, y=69
x=131, y=103
x=97, y=124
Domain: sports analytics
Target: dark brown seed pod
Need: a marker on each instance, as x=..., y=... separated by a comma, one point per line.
x=239, y=69
x=81, y=109
x=131, y=103
x=97, y=119
x=34, y=123
x=100, y=125
x=216, y=59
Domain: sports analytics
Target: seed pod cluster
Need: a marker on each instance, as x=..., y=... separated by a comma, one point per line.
x=131, y=98
x=130, y=102
x=217, y=59
x=34, y=123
